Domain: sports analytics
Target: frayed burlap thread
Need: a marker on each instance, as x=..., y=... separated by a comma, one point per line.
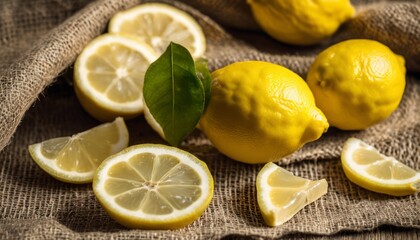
x=38, y=47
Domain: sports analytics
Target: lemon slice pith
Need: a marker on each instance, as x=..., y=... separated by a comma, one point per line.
x=158, y=24
x=75, y=159
x=281, y=195
x=365, y=166
x=109, y=75
x=153, y=186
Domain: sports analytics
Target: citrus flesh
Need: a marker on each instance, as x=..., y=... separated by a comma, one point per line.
x=109, y=75
x=301, y=22
x=357, y=83
x=260, y=112
x=74, y=159
x=281, y=195
x=365, y=166
x=153, y=186
x=158, y=24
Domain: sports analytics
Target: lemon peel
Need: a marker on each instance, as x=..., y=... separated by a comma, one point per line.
x=357, y=83
x=301, y=22
x=260, y=112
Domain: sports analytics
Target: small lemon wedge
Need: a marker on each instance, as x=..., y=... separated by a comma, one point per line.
x=153, y=186
x=75, y=159
x=109, y=75
x=281, y=195
x=365, y=166
x=158, y=24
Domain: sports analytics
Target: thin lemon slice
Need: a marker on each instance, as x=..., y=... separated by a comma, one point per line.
x=109, y=75
x=75, y=159
x=158, y=24
x=365, y=166
x=281, y=195
x=153, y=186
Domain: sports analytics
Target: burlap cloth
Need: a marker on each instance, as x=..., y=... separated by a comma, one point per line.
x=41, y=39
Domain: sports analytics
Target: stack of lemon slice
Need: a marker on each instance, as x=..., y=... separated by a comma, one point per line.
x=109, y=73
x=146, y=186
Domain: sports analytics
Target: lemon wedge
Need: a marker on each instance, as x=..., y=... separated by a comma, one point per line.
x=109, y=75
x=158, y=24
x=75, y=159
x=281, y=195
x=365, y=166
x=153, y=186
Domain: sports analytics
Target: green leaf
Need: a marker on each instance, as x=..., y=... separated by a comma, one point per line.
x=204, y=75
x=174, y=94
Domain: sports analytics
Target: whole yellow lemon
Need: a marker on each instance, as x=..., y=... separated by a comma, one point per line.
x=260, y=112
x=301, y=22
x=357, y=83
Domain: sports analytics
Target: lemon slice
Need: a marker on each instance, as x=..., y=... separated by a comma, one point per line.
x=365, y=166
x=109, y=74
x=281, y=195
x=158, y=24
x=153, y=186
x=75, y=159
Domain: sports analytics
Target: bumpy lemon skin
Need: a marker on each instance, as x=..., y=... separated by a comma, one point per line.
x=260, y=112
x=301, y=22
x=357, y=83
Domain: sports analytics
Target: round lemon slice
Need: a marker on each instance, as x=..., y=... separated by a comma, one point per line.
x=153, y=186
x=365, y=166
x=75, y=159
x=109, y=75
x=158, y=24
x=281, y=195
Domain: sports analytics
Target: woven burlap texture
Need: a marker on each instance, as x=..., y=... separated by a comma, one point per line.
x=41, y=39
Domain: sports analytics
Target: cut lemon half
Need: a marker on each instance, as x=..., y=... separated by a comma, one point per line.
x=153, y=186
x=75, y=159
x=365, y=166
x=281, y=195
x=109, y=75
x=158, y=24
